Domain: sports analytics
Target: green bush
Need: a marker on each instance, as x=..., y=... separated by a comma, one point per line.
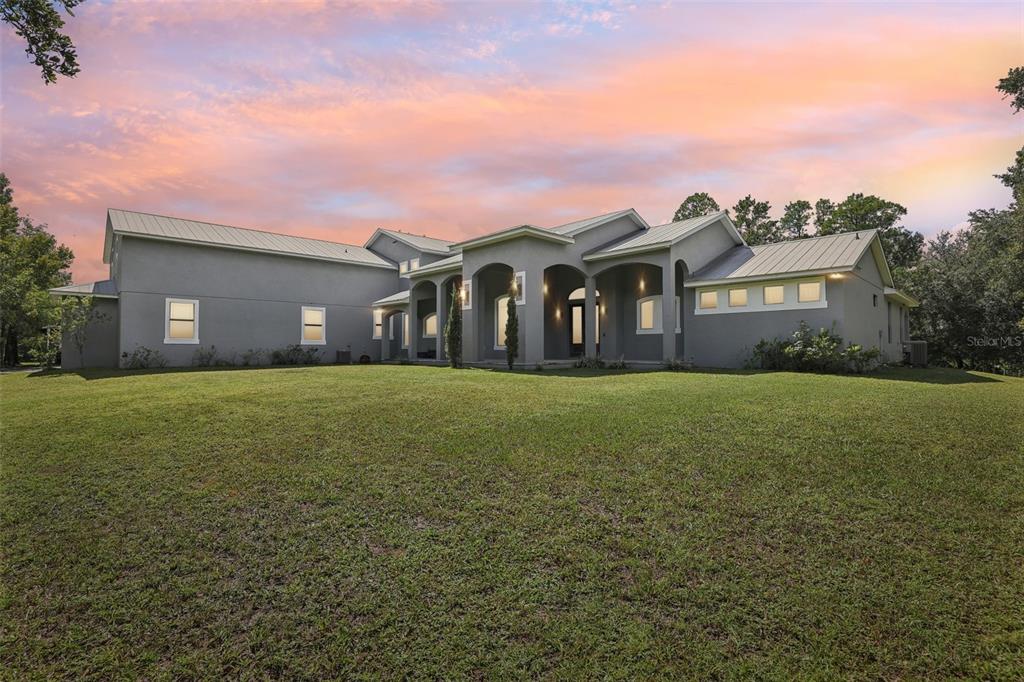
x=295, y=354
x=203, y=357
x=587, y=362
x=675, y=365
x=806, y=351
x=253, y=356
x=143, y=358
x=618, y=364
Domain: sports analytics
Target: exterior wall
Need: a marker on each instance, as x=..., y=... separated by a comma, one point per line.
x=101, y=340
x=246, y=300
x=867, y=317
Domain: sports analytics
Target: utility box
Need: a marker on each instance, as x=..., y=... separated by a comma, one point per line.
x=915, y=353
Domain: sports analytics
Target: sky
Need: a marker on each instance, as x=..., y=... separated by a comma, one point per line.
x=329, y=120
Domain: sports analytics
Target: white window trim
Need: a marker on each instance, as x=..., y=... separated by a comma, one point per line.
x=167, y=321
x=821, y=290
x=425, y=318
x=658, y=326
x=414, y=263
x=403, y=267
x=373, y=323
x=755, y=297
x=467, y=299
x=405, y=330
x=746, y=297
x=520, y=279
x=700, y=295
x=302, y=326
x=498, y=334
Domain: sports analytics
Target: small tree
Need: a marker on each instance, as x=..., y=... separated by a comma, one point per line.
x=77, y=313
x=512, y=329
x=453, y=330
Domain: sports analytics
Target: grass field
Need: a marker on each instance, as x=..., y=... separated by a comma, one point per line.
x=412, y=521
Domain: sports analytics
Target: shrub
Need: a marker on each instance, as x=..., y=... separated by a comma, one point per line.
x=806, y=351
x=453, y=330
x=587, y=362
x=511, y=329
x=226, y=360
x=675, y=365
x=539, y=367
x=295, y=354
x=618, y=364
x=253, y=356
x=203, y=357
x=143, y=358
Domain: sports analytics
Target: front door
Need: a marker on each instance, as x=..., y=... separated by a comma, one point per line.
x=577, y=327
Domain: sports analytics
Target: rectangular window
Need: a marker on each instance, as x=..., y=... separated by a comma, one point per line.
x=577, y=324
x=519, y=287
x=430, y=326
x=405, y=330
x=647, y=317
x=181, y=320
x=466, y=293
x=378, y=323
x=874, y=300
x=500, y=321
x=403, y=267
x=708, y=299
x=774, y=294
x=808, y=292
x=737, y=298
x=313, y=323
x=414, y=263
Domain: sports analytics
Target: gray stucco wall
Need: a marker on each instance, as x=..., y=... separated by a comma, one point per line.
x=867, y=316
x=101, y=339
x=246, y=300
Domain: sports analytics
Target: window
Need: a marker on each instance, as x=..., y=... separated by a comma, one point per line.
x=430, y=326
x=378, y=323
x=313, y=320
x=737, y=298
x=874, y=300
x=414, y=263
x=808, y=292
x=181, y=317
x=519, y=287
x=774, y=295
x=577, y=324
x=581, y=294
x=708, y=299
x=645, y=314
x=888, y=318
x=500, y=321
x=405, y=330
x=466, y=293
x=403, y=267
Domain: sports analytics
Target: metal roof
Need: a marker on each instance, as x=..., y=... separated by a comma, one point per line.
x=437, y=266
x=394, y=299
x=656, y=237
x=417, y=241
x=151, y=226
x=106, y=288
x=831, y=253
x=515, y=232
x=577, y=226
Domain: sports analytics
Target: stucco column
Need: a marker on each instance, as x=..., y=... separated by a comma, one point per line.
x=533, y=315
x=385, y=338
x=668, y=311
x=442, y=317
x=590, y=314
x=414, y=328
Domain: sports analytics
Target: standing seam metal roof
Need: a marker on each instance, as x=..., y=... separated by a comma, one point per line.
x=661, y=234
x=418, y=241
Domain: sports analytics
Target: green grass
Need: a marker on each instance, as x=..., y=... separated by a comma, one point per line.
x=413, y=521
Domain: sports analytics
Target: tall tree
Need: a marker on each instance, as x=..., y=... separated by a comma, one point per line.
x=453, y=329
x=39, y=22
x=1013, y=87
x=753, y=221
x=823, y=209
x=31, y=263
x=512, y=329
x=796, y=217
x=696, y=205
x=868, y=212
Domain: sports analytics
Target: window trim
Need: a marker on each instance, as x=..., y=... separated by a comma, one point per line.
x=426, y=317
x=756, y=298
x=467, y=295
x=496, y=337
x=323, y=326
x=378, y=327
x=700, y=299
x=746, y=297
x=403, y=267
x=658, y=325
x=520, y=280
x=414, y=263
x=810, y=300
x=195, y=321
x=764, y=294
x=405, y=330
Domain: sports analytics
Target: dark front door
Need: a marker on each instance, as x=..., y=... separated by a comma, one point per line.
x=578, y=328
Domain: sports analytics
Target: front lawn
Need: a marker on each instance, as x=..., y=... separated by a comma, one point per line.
x=388, y=521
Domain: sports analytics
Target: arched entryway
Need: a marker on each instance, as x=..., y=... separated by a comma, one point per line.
x=424, y=328
x=491, y=285
x=632, y=312
x=567, y=322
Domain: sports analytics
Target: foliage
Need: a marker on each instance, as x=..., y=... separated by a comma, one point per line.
x=618, y=364
x=252, y=356
x=796, y=216
x=696, y=205
x=806, y=351
x=675, y=365
x=204, y=357
x=512, y=329
x=453, y=330
x=32, y=262
x=588, y=362
x=867, y=212
x=539, y=367
x=1012, y=86
x=295, y=354
x=143, y=358
x=45, y=348
x=77, y=314
x=39, y=22
x=753, y=221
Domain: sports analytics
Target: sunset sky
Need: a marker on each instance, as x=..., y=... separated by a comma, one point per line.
x=329, y=120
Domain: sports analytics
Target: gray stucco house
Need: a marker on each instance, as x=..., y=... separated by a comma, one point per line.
x=610, y=285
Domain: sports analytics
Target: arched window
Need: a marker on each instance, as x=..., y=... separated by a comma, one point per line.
x=430, y=326
x=500, y=321
x=581, y=294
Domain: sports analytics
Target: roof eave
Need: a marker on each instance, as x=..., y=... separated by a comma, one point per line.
x=894, y=294
x=398, y=236
x=514, y=233
x=631, y=212
x=430, y=270
x=233, y=247
x=83, y=294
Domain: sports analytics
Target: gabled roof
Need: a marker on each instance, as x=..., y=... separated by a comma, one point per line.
x=394, y=299
x=164, y=228
x=515, y=233
x=816, y=255
x=892, y=294
x=419, y=242
x=449, y=263
x=106, y=288
x=576, y=227
x=662, y=236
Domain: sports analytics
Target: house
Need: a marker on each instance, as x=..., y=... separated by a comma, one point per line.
x=611, y=285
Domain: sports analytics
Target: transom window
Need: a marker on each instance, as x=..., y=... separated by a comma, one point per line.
x=737, y=298
x=313, y=323
x=708, y=299
x=808, y=292
x=774, y=294
x=181, y=320
x=500, y=321
x=430, y=326
x=581, y=294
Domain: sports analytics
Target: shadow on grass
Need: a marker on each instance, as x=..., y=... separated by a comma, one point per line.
x=936, y=375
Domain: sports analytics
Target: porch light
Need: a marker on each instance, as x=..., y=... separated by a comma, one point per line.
x=545, y=288
x=558, y=313
x=604, y=309
x=836, y=275
x=642, y=285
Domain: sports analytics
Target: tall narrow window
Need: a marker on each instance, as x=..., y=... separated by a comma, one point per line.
x=313, y=323
x=378, y=323
x=181, y=320
x=405, y=330
x=430, y=326
x=888, y=318
x=808, y=292
x=708, y=300
x=577, y=324
x=774, y=295
x=466, y=294
x=500, y=321
x=414, y=263
x=737, y=298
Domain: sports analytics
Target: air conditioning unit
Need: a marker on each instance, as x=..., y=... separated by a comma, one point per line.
x=916, y=353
